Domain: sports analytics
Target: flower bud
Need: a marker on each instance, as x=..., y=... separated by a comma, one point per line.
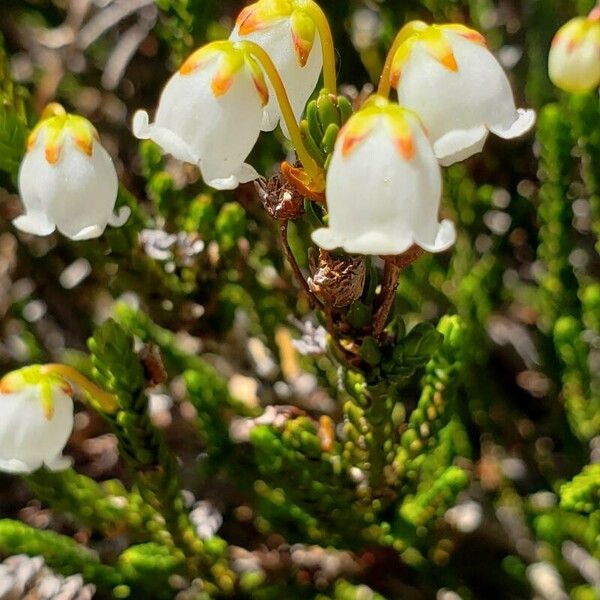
x=384, y=186
x=36, y=420
x=337, y=281
x=210, y=114
x=448, y=76
x=67, y=180
x=289, y=35
x=574, y=60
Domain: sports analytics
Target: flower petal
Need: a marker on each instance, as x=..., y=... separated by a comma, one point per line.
x=59, y=463
x=82, y=192
x=121, y=217
x=524, y=122
x=35, y=223
x=18, y=467
x=87, y=233
x=445, y=238
x=169, y=141
x=244, y=174
x=460, y=144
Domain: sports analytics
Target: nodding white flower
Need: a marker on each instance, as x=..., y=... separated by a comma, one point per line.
x=384, y=186
x=67, y=179
x=210, y=114
x=288, y=33
x=574, y=60
x=449, y=77
x=36, y=421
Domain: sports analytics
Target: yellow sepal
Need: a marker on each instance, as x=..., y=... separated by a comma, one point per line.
x=34, y=376
x=261, y=14
x=57, y=125
x=304, y=32
x=363, y=122
x=433, y=41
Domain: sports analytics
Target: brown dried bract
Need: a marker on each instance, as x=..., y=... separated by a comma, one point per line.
x=280, y=199
x=337, y=281
x=154, y=368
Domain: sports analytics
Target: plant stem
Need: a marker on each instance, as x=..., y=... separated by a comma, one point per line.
x=406, y=32
x=287, y=112
x=391, y=278
x=108, y=402
x=327, y=44
x=283, y=231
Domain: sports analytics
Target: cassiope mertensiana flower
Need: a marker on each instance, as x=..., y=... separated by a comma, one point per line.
x=574, y=60
x=36, y=420
x=288, y=33
x=67, y=180
x=384, y=186
x=210, y=113
x=450, y=78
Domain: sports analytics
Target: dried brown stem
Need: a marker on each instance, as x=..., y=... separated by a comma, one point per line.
x=391, y=278
x=299, y=276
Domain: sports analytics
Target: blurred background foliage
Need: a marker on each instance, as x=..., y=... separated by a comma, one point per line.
x=470, y=474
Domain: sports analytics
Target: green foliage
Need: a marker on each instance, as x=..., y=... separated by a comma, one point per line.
x=582, y=494
x=341, y=491
x=13, y=120
x=105, y=507
x=558, y=286
x=119, y=370
x=147, y=569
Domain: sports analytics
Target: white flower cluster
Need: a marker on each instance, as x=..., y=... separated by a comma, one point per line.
x=383, y=187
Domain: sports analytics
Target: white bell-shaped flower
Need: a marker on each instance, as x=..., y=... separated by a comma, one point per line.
x=210, y=114
x=384, y=186
x=574, y=60
x=449, y=77
x=36, y=421
x=288, y=33
x=67, y=179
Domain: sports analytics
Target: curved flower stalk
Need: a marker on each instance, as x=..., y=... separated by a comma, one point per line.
x=574, y=60
x=384, y=186
x=67, y=179
x=460, y=91
x=294, y=33
x=36, y=416
x=210, y=114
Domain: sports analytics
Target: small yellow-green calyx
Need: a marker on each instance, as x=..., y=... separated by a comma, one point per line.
x=34, y=376
x=434, y=41
x=396, y=117
x=265, y=13
x=56, y=125
x=233, y=57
